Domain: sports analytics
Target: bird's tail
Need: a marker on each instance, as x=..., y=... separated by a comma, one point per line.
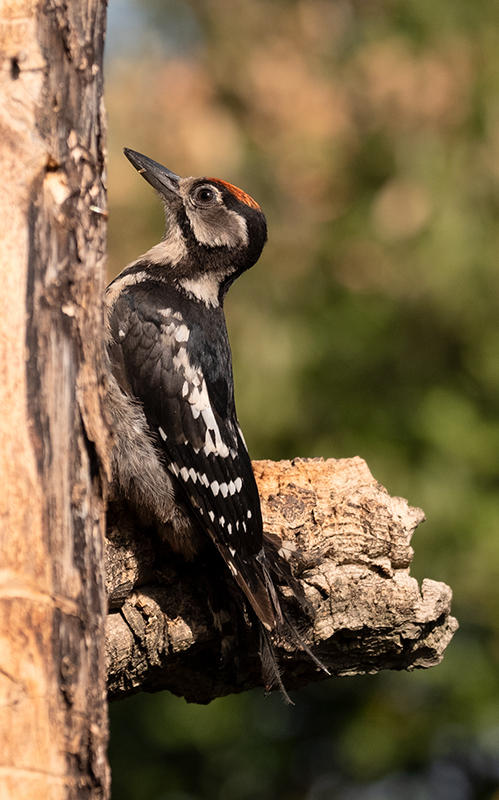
x=271, y=671
x=277, y=574
x=263, y=589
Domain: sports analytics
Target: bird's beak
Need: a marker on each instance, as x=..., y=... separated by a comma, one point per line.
x=162, y=179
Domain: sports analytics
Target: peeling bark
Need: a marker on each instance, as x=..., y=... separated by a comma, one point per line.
x=351, y=542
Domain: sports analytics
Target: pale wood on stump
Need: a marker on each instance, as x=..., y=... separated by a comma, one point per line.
x=53, y=443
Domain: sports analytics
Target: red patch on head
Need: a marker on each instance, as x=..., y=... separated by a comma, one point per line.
x=238, y=193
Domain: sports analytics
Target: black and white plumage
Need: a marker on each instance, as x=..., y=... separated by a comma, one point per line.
x=179, y=455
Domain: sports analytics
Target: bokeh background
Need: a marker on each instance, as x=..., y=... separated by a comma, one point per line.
x=368, y=130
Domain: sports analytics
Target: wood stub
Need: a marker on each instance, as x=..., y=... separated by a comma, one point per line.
x=348, y=542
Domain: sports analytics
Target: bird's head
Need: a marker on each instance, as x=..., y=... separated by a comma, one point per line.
x=215, y=231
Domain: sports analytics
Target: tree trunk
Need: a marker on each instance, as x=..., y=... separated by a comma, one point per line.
x=53, y=442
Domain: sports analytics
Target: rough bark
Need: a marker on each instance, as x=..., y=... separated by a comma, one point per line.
x=354, y=553
x=53, y=725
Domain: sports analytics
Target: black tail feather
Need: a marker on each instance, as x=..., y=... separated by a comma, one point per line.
x=275, y=575
x=271, y=672
x=277, y=572
x=289, y=626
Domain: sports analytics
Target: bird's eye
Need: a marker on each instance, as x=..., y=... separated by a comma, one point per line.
x=204, y=196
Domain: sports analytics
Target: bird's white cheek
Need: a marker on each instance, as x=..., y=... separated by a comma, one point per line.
x=228, y=231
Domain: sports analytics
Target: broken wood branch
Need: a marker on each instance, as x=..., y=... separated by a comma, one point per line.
x=349, y=545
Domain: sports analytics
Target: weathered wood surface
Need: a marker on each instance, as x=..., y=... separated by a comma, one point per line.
x=354, y=556
x=53, y=723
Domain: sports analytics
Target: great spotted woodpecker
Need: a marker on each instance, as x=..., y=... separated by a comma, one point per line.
x=180, y=456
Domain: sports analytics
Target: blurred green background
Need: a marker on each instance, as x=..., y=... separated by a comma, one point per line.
x=368, y=130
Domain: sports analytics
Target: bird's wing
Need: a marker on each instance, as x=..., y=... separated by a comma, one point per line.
x=203, y=448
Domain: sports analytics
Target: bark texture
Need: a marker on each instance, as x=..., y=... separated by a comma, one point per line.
x=53, y=442
x=351, y=546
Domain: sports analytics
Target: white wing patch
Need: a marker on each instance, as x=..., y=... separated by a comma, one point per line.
x=182, y=333
x=215, y=487
x=195, y=390
x=194, y=387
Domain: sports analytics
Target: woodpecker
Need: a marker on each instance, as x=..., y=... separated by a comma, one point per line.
x=180, y=457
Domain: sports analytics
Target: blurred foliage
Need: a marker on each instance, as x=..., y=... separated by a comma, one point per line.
x=369, y=133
